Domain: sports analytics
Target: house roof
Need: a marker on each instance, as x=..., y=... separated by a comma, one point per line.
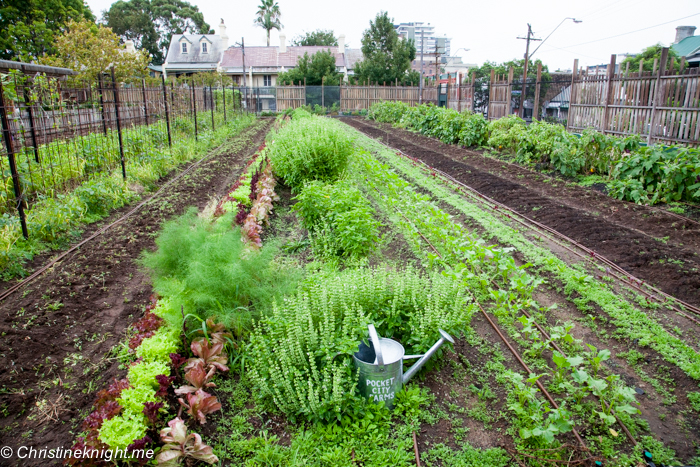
x=194, y=55
x=687, y=46
x=270, y=57
x=562, y=99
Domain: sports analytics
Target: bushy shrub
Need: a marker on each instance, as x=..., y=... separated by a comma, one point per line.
x=310, y=149
x=474, y=130
x=538, y=142
x=103, y=195
x=302, y=351
x=505, y=134
x=202, y=266
x=657, y=173
x=340, y=213
x=387, y=111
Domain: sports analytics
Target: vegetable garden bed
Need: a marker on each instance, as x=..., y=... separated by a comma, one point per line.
x=269, y=290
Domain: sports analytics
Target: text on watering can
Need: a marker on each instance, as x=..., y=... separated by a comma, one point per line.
x=382, y=390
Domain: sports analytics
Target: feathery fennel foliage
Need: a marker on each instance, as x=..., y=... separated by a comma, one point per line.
x=203, y=267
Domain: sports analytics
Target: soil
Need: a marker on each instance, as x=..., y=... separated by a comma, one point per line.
x=648, y=243
x=60, y=333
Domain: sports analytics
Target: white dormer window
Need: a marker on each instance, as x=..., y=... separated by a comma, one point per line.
x=204, y=48
x=184, y=47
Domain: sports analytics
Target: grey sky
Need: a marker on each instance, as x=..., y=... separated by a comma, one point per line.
x=488, y=28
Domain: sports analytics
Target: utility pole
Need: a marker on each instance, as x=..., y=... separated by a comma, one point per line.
x=527, y=59
x=420, y=85
x=243, y=50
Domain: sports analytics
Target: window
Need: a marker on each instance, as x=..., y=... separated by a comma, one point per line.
x=184, y=47
x=267, y=80
x=204, y=47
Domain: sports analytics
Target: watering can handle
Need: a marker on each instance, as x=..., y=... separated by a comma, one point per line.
x=375, y=343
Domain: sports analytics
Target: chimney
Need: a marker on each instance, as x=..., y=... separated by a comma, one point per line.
x=222, y=35
x=682, y=32
x=283, y=43
x=341, y=43
x=130, y=46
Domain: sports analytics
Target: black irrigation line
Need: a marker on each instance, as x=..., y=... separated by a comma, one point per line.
x=515, y=353
x=612, y=269
x=43, y=269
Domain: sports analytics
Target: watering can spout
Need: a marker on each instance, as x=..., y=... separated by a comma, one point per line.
x=424, y=358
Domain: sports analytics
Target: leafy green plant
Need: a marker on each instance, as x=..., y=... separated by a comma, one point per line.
x=201, y=266
x=340, y=213
x=301, y=351
x=179, y=446
x=310, y=149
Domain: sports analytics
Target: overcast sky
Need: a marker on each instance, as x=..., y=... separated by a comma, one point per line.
x=488, y=28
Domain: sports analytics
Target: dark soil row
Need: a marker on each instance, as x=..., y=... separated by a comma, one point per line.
x=643, y=249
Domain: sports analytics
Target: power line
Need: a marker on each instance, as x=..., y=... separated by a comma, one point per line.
x=630, y=32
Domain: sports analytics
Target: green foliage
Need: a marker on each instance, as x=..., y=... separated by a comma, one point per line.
x=342, y=214
x=448, y=125
x=157, y=348
x=310, y=149
x=694, y=399
x=317, y=69
x=268, y=17
x=52, y=221
x=385, y=57
x=152, y=23
x=318, y=37
x=28, y=28
x=506, y=133
x=465, y=456
x=120, y=431
x=202, y=266
x=144, y=373
x=302, y=351
x=658, y=174
x=648, y=55
x=132, y=399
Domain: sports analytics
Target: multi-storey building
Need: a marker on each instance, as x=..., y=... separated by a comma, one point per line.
x=413, y=31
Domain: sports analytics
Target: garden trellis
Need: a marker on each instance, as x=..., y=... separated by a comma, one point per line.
x=57, y=136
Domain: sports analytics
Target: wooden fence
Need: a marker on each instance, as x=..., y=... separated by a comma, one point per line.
x=661, y=105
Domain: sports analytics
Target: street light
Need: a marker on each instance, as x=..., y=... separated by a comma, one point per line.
x=545, y=39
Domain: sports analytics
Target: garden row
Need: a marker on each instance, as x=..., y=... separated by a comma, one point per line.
x=55, y=220
x=297, y=314
x=632, y=170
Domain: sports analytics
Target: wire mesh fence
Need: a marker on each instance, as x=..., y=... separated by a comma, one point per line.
x=55, y=136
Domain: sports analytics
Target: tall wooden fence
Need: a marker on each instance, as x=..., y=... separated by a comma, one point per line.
x=662, y=105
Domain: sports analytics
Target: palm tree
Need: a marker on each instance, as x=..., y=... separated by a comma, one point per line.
x=268, y=17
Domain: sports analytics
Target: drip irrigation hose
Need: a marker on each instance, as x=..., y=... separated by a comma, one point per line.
x=505, y=341
x=43, y=269
x=620, y=273
x=627, y=278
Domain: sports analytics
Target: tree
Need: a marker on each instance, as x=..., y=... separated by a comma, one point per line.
x=320, y=65
x=152, y=23
x=28, y=28
x=385, y=56
x=648, y=55
x=268, y=17
x=90, y=49
x=318, y=37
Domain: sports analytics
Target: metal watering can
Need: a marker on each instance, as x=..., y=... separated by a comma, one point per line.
x=381, y=366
